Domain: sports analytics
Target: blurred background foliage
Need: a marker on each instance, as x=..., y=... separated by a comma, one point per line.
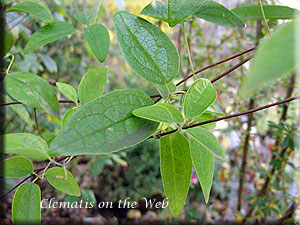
x=134, y=173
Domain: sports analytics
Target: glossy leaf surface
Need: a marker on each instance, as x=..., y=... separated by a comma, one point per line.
x=105, y=125
x=147, y=50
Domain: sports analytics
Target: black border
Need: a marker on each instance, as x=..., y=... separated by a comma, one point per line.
x=2, y=109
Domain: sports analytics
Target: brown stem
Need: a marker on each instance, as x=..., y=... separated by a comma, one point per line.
x=18, y=102
x=37, y=124
x=283, y=118
x=32, y=175
x=231, y=69
x=288, y=214
x=215, y=64
x=231, y=116
x=247, y=138
x=245, y=155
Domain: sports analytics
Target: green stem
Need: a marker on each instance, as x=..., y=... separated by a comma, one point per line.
x=35, y=179
x=10, y=64
x=264, y=16
x=56, y=163
x=45, y=170
x=189, y=51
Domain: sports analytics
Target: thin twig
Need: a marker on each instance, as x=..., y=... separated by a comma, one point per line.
x=264, y=16
x=231, y=116
x=216, y=64
x=18, y=102
x=32, y=175
x=247, y=138
x=283, y=118
x=245, y=156
x=37, y=123
x=231, y=69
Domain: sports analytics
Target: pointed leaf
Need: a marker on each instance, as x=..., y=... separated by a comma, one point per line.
x=68, y=115
x=179, y=10
x=207, y=140
x=276, y=56
x=147, y=50
x=203, y=162
x=68, y=91
x=55, y=177
x=218, y=14
x=198, y=98
x=205, y=117
x=17, y=167
x=160, y=112
x=98, y=40
x=157, y=10
x=34, y=9
x=253, y=12
x=26, y=207
x=176, y=170
x=32, y=90
x=28, y=145
x=47, y=34
x=85, y=17
x=92, y=84
x=105, y=125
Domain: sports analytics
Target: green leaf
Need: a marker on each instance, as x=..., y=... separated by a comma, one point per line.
x=176, y=170
x=32, y=90
x=17, y=167
x=49, y=63
x=28, y=145
x=47, y=34
x=157, y=10
x=34, y=9
x=8, y=42
x=87, y=195
x=21, y=111
x=71, y=199
x=105, y=125
x=198, y=98
x=56, y=177
x=166, y=89
x=26, y=207
x=92, y=84
x=98, y=166
x=253, y=12
x=275, y=57
x=212, y=110
x=85, y=17
x=207, y=140
x=67, y=116
x=179, y=10
x=205, y=117
x=68, y=91
x=160, y=112
x=5, y=2
x=218, y=14
x=98, y=40
x=203, y=162
x=148, y=51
